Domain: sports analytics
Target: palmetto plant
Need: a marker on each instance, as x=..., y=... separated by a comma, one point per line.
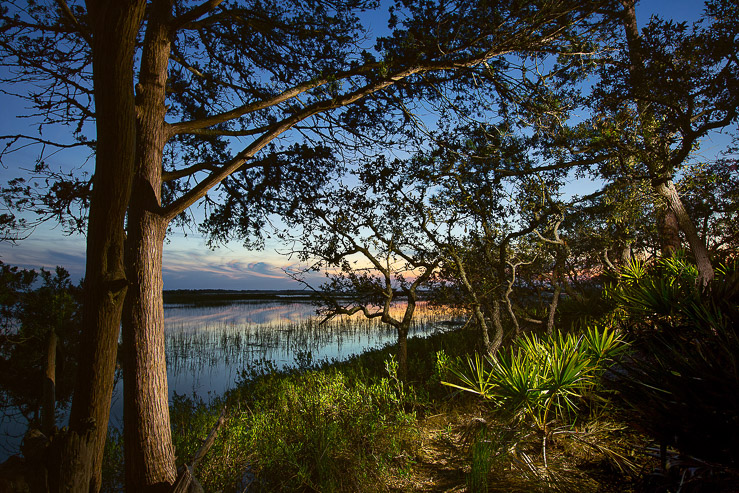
x=542, y=379
x=682, y=385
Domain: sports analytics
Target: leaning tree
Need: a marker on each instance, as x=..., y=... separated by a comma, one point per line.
x=668, y=86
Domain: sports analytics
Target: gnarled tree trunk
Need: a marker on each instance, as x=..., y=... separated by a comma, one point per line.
x=666, y=189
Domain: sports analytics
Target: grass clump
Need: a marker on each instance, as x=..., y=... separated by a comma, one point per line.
x=317, y=430
x=542, y=380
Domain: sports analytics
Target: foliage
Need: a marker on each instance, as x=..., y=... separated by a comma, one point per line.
x=539, y=375
x=113, y=477
x=711, y=190
x=542, y=379
x=682, y=385
x=31, y=312
x=314, y=431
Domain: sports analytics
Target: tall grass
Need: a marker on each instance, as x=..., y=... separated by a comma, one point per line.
x=326, y=427
x=311, y=431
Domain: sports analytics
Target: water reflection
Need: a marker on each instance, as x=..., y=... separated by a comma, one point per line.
x=207, y=346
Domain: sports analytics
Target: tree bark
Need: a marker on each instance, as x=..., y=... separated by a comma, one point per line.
x=558, y=280
x=669, y=230
x=149, y=453
x=553, y=307
x=497, y=339
x=114, y=28
x=666, y=189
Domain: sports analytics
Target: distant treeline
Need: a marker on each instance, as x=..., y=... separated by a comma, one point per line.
x=208, y=296
x=222, y=296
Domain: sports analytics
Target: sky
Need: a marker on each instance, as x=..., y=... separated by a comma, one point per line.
x=188, y=262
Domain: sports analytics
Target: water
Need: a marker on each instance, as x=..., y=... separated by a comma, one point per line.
x=207, y=347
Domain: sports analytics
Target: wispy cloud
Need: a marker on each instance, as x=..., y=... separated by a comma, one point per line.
x=226, y=269
x=48, y=252
x=188, y=263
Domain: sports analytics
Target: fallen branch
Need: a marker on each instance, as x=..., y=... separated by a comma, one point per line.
x=186, y=481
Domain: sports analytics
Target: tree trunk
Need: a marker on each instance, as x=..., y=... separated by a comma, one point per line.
x=148, y=447
x=149, y=453
x=497, y=339
x=482, y=328
x=669, y=230
x=666, y=189
x=626, y=253
x=150, y=464
x=114, y=28
x=48, y=395
x=403, y=354
x=553, y=307
x=558, y=279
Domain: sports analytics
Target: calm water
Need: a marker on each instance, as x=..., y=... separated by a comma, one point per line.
x=208, y=346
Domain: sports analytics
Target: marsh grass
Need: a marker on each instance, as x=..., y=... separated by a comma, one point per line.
x=352, y=426
x=340, y=427
x=217, y=340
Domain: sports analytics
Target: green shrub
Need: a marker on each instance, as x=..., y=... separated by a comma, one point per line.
x=542, y=379
x=316, y=431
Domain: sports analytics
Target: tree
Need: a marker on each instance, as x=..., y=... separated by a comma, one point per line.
x=668, y=87
x=365, y=244
x=38, y=343
x=711, y=192
x=447, y=208
x=211, y=74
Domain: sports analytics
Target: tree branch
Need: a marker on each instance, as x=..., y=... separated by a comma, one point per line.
x=194, y=14
x=71, y=18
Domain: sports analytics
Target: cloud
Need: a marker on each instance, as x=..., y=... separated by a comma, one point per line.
x=263, y=269
x=224, y=269
x=47, y=251
x=188, y=263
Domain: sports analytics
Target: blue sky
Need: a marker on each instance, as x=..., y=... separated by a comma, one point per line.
x=188, y=262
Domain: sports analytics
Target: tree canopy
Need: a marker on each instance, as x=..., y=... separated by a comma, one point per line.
x=255, y=108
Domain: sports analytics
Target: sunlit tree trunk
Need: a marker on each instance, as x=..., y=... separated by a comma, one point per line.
x=149, y=453
x=669, y=230
x=48, y=395
x=114, y=27
x=497, y=339
x=667, y=190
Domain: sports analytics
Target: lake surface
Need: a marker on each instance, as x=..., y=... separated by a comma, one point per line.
x=208, y=347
